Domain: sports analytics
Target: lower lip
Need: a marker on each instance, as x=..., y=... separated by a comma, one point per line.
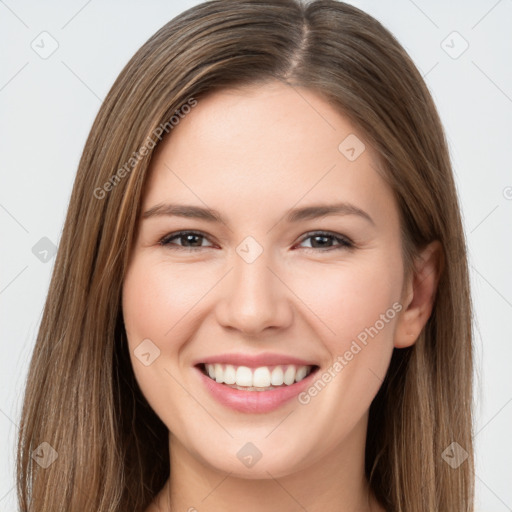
x=254, y=401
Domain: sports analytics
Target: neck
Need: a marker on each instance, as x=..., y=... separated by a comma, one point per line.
x=335, y=482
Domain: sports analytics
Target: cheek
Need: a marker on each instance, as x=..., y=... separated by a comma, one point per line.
x=151, y=309
x=157, y=300
x=351, y=298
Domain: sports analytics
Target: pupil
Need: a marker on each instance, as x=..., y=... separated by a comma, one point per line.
x=324, y=240
x=190, y=239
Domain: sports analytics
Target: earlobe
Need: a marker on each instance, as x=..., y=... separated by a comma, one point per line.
x=419, y=295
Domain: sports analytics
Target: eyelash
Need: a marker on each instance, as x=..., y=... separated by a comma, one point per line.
x=343, y=241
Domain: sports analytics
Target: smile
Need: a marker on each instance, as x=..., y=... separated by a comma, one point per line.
x=262, y=378
x=255, y=390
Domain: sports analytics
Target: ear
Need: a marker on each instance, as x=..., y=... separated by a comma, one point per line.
x=419, y=294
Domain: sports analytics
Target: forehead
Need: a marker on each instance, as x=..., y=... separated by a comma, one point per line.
x=263, y=147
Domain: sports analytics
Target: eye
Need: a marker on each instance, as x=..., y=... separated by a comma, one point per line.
x=189, y=240
x=324, y=240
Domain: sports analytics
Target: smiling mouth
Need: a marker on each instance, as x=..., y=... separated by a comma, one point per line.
x=263, y=378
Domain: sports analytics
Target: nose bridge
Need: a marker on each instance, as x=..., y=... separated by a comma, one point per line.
x=253, y=297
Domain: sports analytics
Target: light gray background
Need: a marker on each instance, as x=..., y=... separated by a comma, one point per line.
x=47, y=107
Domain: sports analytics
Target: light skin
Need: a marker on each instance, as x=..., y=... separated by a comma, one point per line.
x=253, y=154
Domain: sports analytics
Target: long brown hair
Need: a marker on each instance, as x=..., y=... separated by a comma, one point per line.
x=81, y=394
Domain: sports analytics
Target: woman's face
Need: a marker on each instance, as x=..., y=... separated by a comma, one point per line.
x=288, y=268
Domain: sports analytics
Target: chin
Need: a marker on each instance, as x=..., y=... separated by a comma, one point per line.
x=252, y=463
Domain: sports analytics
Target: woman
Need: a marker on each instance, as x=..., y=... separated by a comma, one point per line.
x=261, y=295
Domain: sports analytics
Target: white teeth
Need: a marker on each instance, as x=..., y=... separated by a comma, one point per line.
x=219, y=373
x=289, y=375
x=277, y=378
x=301, y=373
x=243, y=376
x=229, y=374
x=261, y=378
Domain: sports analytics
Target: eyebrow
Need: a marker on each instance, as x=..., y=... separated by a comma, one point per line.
x=294, y=215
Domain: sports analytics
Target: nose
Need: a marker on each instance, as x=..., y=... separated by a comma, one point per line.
x=255, y=298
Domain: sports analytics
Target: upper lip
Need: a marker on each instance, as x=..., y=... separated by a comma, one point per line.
x=255, y=360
